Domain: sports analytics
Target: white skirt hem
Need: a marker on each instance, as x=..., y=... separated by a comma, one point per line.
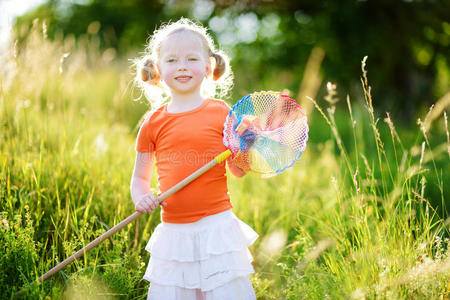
x=239, y=288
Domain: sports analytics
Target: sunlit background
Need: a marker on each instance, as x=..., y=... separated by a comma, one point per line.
x=9, y=10
x=270, y=42
x=362, y=215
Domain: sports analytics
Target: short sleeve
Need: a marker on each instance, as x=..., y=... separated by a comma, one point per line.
x=224, y=107
x=144, y=142
x=227, y=108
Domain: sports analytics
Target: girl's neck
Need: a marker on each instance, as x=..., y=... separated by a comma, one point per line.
x=184, y=102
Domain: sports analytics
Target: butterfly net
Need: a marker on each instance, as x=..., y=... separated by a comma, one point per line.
x=266, y=133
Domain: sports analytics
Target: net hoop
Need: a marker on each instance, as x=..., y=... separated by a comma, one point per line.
x=296, y=130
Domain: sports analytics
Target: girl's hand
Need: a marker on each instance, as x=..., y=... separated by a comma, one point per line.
x=246, y=122
x=247, y=130
x=148, y=203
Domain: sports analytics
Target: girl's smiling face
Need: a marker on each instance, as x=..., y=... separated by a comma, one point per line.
x=183, y=62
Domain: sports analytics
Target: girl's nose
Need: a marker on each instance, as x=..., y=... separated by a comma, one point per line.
x=181, y=66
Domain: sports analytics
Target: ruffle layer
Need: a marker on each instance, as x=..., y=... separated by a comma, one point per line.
x=237, y=289
x=169, y=242
x=202, y=255
x=205, y=274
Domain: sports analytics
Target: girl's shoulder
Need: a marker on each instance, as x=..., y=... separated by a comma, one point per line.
x=152, y=114
x=220, y=104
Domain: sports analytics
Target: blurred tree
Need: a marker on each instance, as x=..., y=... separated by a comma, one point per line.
x=407, y=41
x=123, y=25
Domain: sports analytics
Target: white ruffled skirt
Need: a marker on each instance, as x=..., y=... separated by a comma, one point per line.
x=207, y=259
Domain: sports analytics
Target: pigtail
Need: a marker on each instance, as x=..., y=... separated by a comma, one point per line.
x=149, y=73
x=148, y=79
x=220, y=66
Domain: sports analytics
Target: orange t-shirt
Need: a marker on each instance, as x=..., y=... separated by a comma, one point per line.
x=182, y=143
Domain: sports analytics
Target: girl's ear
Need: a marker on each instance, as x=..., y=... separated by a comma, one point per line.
x=208, y=68
x=158, y=68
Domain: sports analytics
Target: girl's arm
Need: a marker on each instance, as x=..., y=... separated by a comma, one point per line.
x=144, y=201
x=236, y=171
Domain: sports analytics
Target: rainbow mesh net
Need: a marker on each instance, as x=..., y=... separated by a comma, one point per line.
x=273, y=132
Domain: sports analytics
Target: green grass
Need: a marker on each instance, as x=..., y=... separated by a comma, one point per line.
x=362, y=215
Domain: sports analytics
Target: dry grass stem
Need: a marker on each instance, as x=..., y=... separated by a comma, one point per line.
x=446, y=131
x=439, y=108
x=311, y=79
x=394, y=133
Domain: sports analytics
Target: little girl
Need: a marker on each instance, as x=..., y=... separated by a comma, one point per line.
x=199, y=250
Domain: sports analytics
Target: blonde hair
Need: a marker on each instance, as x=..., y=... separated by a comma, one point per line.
x=217, y=84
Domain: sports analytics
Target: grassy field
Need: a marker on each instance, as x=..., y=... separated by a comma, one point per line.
x=362, y=215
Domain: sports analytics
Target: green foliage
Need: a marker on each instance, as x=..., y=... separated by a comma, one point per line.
x=124, y=272
x=18, y=253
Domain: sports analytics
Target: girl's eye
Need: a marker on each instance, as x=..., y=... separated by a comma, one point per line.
x=171, y=60
x=193, y=59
